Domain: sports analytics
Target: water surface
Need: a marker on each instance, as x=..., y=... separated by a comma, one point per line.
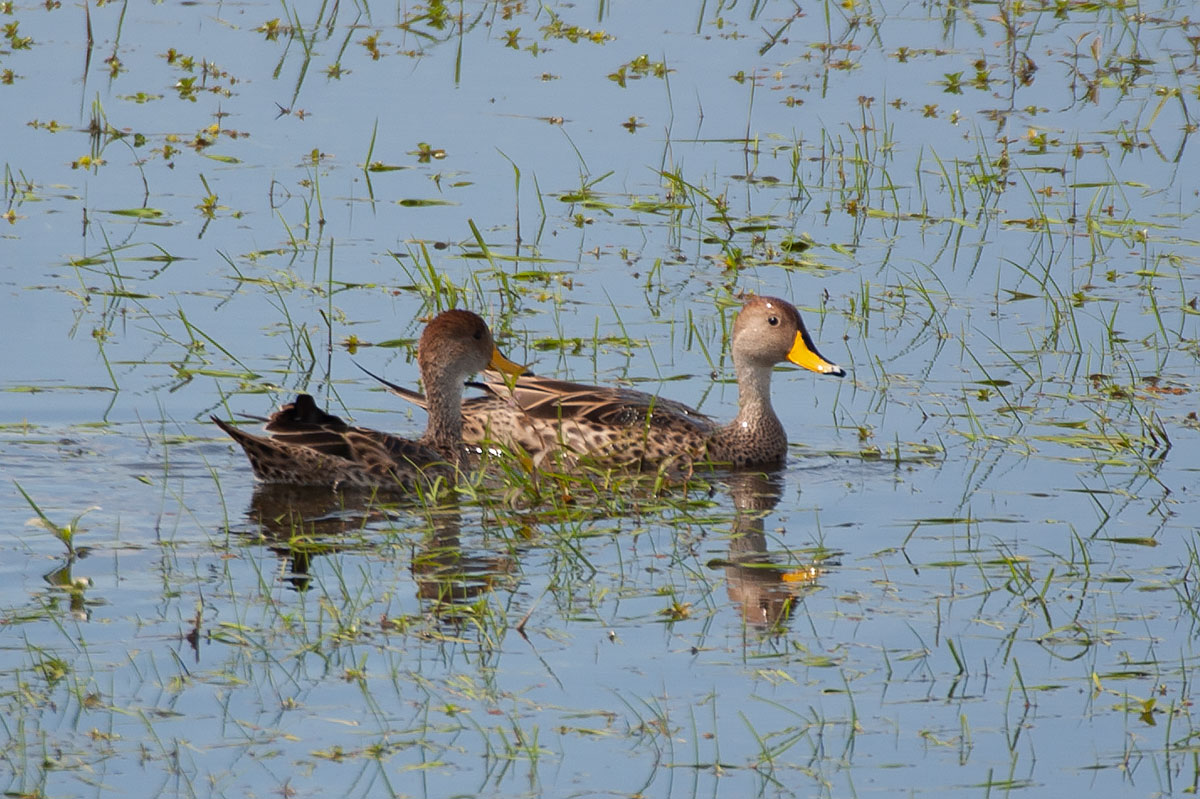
x=975, y=573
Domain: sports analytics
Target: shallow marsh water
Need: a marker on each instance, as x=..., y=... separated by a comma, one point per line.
x=976, y=573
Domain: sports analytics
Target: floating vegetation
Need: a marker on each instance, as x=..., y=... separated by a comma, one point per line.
x=981, y=551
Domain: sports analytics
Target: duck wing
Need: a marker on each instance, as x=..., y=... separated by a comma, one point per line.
x=472, y=406
x=559, y=400
x=415, y=397
x=301, y=423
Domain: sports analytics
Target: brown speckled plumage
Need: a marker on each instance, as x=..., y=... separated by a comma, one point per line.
x=310, y=447
x=544, y=416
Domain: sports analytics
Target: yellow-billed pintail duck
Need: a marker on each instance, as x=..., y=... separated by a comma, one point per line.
x=615, y=425
x=310, y=447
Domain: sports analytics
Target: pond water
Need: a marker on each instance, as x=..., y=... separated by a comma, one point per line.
x=976, y=573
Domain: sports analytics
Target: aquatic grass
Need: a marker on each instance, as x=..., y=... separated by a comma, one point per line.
x=329, y=614
x=64, y=533
x=438, y=291
x=694, y=197
x=507, y=294
x=517, y=240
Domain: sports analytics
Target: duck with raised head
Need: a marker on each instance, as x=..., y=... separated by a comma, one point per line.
x=307, y=446
x=545, y=417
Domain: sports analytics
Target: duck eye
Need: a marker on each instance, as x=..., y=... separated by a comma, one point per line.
x=478, y=335
x=772, y=320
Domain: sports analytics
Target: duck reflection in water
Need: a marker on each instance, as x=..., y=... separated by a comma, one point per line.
x=452, y=578
x=758, y=581
x=299, y=524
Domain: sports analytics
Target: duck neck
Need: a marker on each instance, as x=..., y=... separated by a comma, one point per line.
x=754, y=398
x=756, y=434
x=443, y=397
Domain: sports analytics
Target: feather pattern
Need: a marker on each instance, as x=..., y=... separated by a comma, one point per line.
x=547, y=417
x=308, y=446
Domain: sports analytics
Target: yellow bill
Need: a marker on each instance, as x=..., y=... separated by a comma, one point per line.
x=502, y=364
x=804, y=353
